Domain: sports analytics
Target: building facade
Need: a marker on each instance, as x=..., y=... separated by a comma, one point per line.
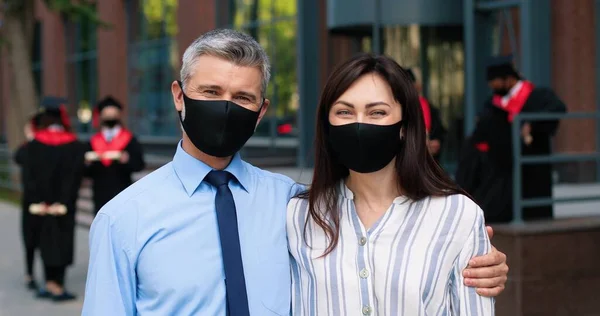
x=138, y=57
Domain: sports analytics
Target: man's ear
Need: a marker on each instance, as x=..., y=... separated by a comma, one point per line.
x=263, y=110
x=177, y=95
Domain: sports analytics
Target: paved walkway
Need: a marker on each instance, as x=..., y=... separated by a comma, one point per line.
x=15, y=300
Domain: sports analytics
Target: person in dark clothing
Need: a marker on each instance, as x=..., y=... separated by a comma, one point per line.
x=486, y=168
x=113, y=154
x=53, y=164
x=433, y=122
x=30, y=225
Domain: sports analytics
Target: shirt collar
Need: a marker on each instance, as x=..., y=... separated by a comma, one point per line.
x=191, y=171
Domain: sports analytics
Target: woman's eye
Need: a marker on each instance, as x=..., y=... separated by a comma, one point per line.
x=343, y=112
x=378, y=113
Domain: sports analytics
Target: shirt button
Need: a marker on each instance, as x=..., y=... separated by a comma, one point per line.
x=362, y=241
x=366, y=310
x=364, y=273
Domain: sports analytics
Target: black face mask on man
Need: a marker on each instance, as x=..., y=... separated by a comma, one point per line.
x=502, y=91
x=110, y=123
x=365, y=148
x=218, y=128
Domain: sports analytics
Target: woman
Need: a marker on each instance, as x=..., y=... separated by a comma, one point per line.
x=382, y=230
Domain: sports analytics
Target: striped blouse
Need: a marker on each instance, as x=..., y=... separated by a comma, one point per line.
x=409, y=263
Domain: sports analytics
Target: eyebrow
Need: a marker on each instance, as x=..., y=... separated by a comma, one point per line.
x=368, y=105
x=249, y=95
x=211, y=87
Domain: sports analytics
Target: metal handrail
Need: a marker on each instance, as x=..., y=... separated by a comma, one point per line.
x=519, y=160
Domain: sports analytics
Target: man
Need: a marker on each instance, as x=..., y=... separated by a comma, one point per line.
x=206, y=233
x=433, y=123
x=30, y=224
x=491, y=184
x=53, y=164
x=113, y=154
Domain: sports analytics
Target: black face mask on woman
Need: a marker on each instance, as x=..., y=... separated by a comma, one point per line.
x=218, y=128
x=365, y=148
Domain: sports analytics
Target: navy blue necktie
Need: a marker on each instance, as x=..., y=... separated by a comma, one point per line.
x=235, y=284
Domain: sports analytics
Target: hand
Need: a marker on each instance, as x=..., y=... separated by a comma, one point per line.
x=488, y=273
x=38, y=209
x=434, y=146
x=124, y=157
x=57, y=209
x=526, y=133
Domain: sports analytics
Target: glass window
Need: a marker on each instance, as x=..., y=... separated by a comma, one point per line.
x=153, y=61
x=437, y=55
x=273, y=24
x=82, y=71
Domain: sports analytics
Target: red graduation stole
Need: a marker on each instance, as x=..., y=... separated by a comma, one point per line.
x=513, y=106
x=426, y=113
x=54, y=137
x=118, y=143
x=515, y=103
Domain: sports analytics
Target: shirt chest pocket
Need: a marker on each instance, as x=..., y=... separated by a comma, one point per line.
x=276, y=288
x=274, y=282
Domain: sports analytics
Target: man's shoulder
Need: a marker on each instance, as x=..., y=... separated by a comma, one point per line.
x=266, y=175
x=149, y=186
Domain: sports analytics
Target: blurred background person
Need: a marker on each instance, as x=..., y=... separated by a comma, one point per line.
x=112, y=155
x=30, y=225
x=487, y=170
x=433, y=123
x=53, y=164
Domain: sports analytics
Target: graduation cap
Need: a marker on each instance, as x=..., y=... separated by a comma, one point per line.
x=55, y=106
x=501, y=67
x=411, y=75
x=104, y=103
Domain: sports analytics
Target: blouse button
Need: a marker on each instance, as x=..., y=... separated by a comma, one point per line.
x=366, y=310
x=364, y=273
x=362, y=241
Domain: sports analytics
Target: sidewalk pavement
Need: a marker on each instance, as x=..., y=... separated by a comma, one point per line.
x=14, y=298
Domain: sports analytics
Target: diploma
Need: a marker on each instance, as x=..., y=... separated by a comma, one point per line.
x=112, y=155
x=91, y=156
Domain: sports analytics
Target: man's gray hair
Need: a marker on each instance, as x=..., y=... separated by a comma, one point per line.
x=236, y=47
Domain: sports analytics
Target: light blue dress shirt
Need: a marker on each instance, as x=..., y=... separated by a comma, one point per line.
x=155, y=249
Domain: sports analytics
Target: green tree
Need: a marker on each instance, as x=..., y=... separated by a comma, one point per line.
x=17, y=35
x=273, y=24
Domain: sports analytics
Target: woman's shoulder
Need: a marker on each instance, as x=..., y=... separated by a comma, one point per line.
x=298, y=201
x=457, y=205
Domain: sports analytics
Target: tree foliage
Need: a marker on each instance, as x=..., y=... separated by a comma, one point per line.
x=17, y=33
x=273, y=24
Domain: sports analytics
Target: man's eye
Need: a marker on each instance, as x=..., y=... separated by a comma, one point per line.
x=211, y=92
x=244, y=99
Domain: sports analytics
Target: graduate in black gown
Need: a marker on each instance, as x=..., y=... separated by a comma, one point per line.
x=486, y=164
x=113, y=154
x=53, y=162
x=30, y=225
x=433, y=122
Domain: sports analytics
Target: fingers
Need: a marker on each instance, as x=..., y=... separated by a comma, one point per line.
x=493, y=292
x=490, y=231
x=491, y=259
x=486, y=283
x=486, y=272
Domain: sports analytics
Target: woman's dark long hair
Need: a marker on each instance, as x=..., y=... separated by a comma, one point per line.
x=418, y=174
